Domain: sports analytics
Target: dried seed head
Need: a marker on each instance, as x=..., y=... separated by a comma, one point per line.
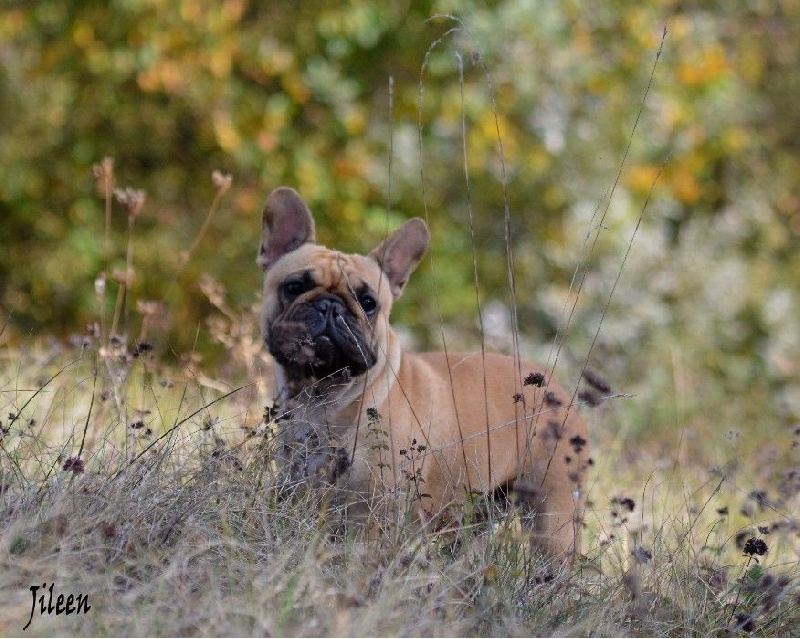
x=148, y=308
x=132, y=200
x=122, y=277
x=222, y=182
x=141, y=348
x=755, y=546
x=625, y=502
x=75, y=464
x=534, y=379
x=590, y=398
x=577, y=443
x=104, y=170
x=213, y=290
x=596, y=382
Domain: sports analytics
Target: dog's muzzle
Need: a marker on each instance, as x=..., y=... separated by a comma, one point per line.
x=320, y=337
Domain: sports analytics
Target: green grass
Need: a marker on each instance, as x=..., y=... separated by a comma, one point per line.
x=172, y=527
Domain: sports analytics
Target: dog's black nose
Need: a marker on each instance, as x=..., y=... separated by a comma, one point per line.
x=326, y=304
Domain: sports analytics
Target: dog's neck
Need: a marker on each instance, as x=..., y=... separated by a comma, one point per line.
x=338, y=399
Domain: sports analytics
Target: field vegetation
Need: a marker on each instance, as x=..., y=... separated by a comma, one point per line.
x=613, y=190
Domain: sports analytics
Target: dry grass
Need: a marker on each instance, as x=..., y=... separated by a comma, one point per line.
x=169, y=525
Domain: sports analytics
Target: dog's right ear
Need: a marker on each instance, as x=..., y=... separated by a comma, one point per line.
x=286, y=224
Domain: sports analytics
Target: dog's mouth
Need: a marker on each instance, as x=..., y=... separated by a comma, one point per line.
x=320, y=338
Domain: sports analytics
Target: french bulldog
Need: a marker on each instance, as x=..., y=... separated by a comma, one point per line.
x=362, y=419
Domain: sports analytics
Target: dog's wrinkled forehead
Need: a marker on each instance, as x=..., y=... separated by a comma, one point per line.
x=332, y=271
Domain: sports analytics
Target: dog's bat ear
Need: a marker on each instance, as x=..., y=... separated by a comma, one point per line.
x=286, y=224
x=401, y=252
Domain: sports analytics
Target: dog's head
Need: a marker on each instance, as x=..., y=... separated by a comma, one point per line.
x=325, y=313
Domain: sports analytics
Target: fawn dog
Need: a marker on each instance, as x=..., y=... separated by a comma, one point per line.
x=465, y=423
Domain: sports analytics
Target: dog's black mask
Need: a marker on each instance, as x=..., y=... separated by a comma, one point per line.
x=320, y=338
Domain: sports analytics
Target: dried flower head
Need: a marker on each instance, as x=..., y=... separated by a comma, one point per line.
x=213, y=290
x=222, y=182
x=123, y=277
x=626, y=502
x=142, y=348
x=755, y=546
x=104, y=170
x=75, y=464
x=595, y=381
x=577, y=443
x=534, y=379
x=590, y=398
x=149, y=309
x=132, y=200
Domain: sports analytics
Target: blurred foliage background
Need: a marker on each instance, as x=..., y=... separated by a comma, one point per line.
x=300, y=94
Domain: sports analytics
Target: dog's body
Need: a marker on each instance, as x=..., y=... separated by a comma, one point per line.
x=364, y=417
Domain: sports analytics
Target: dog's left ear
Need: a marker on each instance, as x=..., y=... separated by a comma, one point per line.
x=286, y=224
x=401, y=252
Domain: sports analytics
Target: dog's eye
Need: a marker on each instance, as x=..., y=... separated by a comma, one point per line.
x=292, y=289
x=368, y=303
